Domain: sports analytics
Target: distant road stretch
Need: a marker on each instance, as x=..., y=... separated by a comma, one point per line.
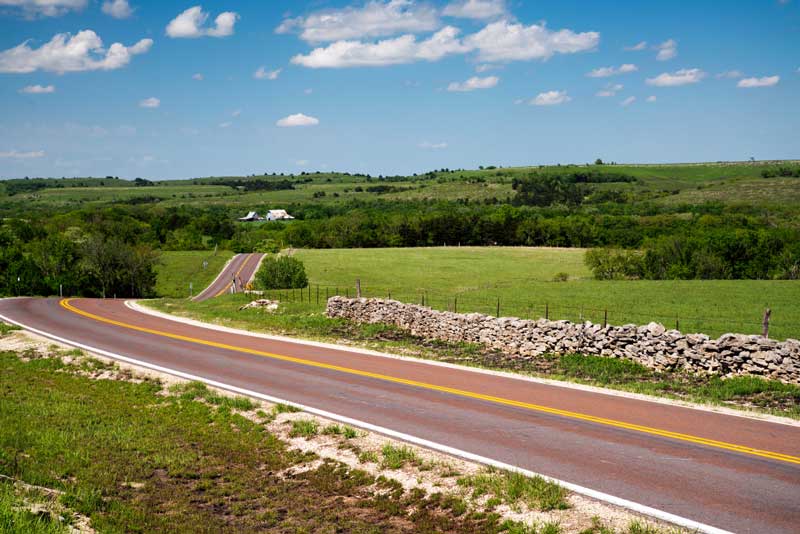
x=734, y=473
x=242, y=268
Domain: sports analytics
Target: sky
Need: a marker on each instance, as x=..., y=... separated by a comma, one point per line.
x=169, y=89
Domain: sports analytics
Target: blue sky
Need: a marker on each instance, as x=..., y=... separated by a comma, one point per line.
x=390, y=86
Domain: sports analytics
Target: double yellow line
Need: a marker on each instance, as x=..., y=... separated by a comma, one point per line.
x=228, y=285
x=453, y=391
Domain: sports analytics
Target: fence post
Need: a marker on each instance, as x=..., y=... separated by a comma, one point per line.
x=605, y=318
x=358, y=288
x=765, y=323
x=677, y=324
x=498, y=306
x=455, y=304
x=547, y=311
x=390, y=294
x=326, y=294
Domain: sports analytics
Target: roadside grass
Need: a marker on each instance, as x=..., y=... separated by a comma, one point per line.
x=18, y=515
x=178, y=268
x=514, y=489
x=198, y=390
x=305, y=320
x=306, y=428
x=395, y=457
x=133, y=459
x=472, y=279
x=6, y=328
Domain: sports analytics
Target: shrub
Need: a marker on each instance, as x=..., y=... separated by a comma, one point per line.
x=281, y=272
x=610, y=264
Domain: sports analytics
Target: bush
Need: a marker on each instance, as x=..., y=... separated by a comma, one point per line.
x=610, y=264
x=281, y=272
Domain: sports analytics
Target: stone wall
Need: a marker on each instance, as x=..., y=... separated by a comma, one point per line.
x=651, y=345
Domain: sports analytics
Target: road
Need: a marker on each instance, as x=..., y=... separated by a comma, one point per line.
x=242, y=267
x=734, y=473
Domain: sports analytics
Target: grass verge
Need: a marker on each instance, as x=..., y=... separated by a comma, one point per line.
x=177, y=269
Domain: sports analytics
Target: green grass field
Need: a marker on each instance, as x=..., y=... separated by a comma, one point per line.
x=472, y=279
x=178, y=268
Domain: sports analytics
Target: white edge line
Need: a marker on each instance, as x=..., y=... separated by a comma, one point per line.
x=598, y=495
x=214, y=281
x=719, y=410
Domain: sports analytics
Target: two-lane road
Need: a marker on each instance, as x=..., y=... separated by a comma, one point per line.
x=735, y=473
x=241, y=269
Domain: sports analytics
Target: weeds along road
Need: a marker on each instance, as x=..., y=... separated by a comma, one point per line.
x=241, y=268
x=733, y=473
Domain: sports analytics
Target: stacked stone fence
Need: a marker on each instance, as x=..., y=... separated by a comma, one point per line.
x=651, y=345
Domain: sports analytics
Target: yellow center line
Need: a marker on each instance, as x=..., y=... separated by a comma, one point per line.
x=65, y=303
x=228, y=285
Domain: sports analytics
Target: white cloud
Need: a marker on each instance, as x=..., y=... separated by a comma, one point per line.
x=13, y=154
x=474, y=83
x=610, y=90
x=151, y=102
x=475, y=9
x=628, y=101
x=605, y=72
x=432, y=146
x=236, y=113
x=264, y=74
x=375, y=19
x=308, y=91
x=730, y=74
x=485, y=67
x=225, y=124
x=301, y=162
x=399, y=50
x=119, y=9
x=197, y=76
x=507, y=41
x=38, y=89
x=641, y=45
x=680, y=77
x=45, y=8
x=499, y=41
x=766, y=81
x=651, y=98
x=298, y=119
x=70, y=53
x=667, y=50
x=551, y=98
x=189, y=24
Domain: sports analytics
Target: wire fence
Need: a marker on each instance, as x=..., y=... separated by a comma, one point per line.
x=508, y=304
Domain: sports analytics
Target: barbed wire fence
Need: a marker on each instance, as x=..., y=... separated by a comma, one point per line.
x=488, y=302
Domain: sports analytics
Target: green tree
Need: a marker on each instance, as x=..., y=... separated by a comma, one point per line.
x=281, y=272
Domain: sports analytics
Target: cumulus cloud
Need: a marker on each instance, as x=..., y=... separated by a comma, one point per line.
x=225, y=124
x=190, y=24
x=298, y=119
x=628, y=101
x=485, y=67
x=38, y=89
x=119, y=9
x=197, y=76
x=766, y=81
x=475, y=9
x=507, y=41
x=474, y=83
x=605, y=72
x=641, y=45
x=396, y=51
x=13, y=154
x=551, y=98
x=263, y=74
x=44, y=8
x=498, y=42
x=373, y=19
x=651, y=98
x=427, y=145
x=667, y=50
x=610, y=90
x=236, y=113
x=680, y=77
x=151, y=102
x=70, y=53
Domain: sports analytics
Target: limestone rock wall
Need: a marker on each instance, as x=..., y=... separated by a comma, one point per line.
x=651, y=345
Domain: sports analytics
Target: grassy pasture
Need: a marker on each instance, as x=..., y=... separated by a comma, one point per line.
x=178, y=268
x=523, y=279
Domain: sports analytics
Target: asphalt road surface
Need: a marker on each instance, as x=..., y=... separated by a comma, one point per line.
x=734, y=473
x=241, y=268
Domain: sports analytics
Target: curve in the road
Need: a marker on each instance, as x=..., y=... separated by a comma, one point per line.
x=241, y=268
x=728, y=487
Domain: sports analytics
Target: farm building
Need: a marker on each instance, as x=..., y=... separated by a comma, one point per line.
x=278, y=215
x=251, y=216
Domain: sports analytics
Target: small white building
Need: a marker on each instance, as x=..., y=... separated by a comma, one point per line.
x=251, y=216
x=278, y=215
